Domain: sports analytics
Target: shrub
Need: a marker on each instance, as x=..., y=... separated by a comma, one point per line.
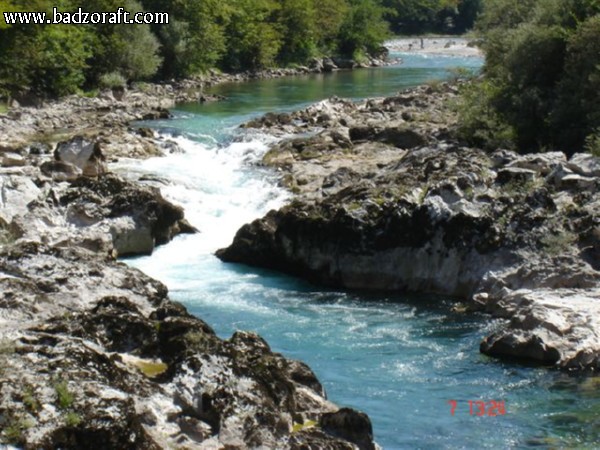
x=30, y=400
x=592, y=143
x=480, y=123
x=64, y=397
x=72, y=419
x=559, y=244
x=112, y=80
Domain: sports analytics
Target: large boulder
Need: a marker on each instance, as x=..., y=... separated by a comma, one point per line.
x=585, y=164
x=398, y=136
x=60, y=171
x=16, y=193
x=350, y=241
x=84, y=154
x=329, y=65
x=551, y=327
x=138, y=217
x=350, y=425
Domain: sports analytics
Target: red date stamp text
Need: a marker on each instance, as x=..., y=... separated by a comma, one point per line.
x=479, y=408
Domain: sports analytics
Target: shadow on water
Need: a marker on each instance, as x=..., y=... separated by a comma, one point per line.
x=269, y=278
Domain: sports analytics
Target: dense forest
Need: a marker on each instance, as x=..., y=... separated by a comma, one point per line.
x=540, y=86
x=232, y=35
x=541, y=81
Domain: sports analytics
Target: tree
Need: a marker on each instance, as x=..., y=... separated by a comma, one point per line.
x=194, y=40
x=49, y=61
x=420, y=16
x=253, y=38
x=138, y=57
x=329, y=17
x=7, y=6
x=466, y=14
x=578, y=113
x=131, y=50
x=44, y=60
x=363, y=29
x=541, y=72
x=298, y=30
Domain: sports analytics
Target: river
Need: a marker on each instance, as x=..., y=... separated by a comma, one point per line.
x=399, y=358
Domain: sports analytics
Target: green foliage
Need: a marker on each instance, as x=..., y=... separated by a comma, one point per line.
x=578, y=114
x=92, y=93
x=253, y=39
x=132, y=50
x=480, y=124
x=423, y=16
x=461, y=73
x=363, y=29
x=542, y=76
x=298, y=25
x=138, y=58
x=30, y=400
x=559, y=244
x=64, y=397
x=329, y=17
x=112, y=80
x=72, y=419
x=43, y=60
x=527, y=100
x=52, y=61
x=14, y=431
x=194, y=40
x=592, y=143
x=6, y=6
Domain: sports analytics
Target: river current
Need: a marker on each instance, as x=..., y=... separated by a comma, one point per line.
x=400, y=358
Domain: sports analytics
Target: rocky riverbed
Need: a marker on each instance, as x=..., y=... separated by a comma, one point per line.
x=93, y=352
x=387, y=198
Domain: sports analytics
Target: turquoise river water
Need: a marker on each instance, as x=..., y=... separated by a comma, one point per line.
x=399, y=358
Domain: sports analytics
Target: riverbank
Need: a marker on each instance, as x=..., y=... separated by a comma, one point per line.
x=439, y=45
x=107, y=116
x=94, y=351
x=388, y=199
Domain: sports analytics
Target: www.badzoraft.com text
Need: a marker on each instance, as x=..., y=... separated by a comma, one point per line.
x=81, y=17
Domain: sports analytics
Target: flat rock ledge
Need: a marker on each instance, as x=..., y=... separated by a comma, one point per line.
x=387, y=198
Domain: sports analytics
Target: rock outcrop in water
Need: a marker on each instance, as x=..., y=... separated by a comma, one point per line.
x=93, y=353
x=387, y=199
